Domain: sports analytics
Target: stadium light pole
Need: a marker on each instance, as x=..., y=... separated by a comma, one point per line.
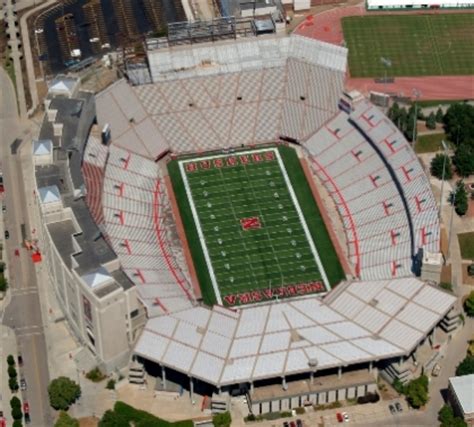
x=416, y=94
x=387, y=63
x=445, y=148
x=453, y=202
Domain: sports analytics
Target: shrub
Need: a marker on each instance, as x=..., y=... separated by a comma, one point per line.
x=436, y=167
x=300, y=410
x=17, y=423
x=110, y=384
x=398, y=386
x=250, y=417
x=65, y=420
x=460, y=202
x=222, y=420
x=3, y=283
x=416, y=392
x=439, y=115
x=95, y=375
x=463, y=159
x=63, y=392
x=12, y=372
x=286, y=414
x=15, y=402
x=13, y=384
x=469, y=305
x=17, y=414
x=466, y=367
x=11, y=360
x=431, y=121
x=446, y=286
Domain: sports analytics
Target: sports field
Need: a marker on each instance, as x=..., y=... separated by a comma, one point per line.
x=417, y=45
x=253, y=228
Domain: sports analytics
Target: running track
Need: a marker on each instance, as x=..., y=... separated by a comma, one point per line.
x=326, y=26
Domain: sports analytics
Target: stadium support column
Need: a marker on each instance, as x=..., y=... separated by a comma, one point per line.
x=191, y=389
x=163, y=376
x=370, y=366
x=339, y=372
x=283, y=383
x=251, y=387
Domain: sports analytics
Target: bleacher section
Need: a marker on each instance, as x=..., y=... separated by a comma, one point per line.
x=135, y=210
x=380, y=190
x=218, y=95
x=93, y=165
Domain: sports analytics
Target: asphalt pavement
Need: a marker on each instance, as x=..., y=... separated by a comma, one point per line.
x=23, y=313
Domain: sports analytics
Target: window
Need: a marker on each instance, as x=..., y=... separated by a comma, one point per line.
x=134, y=313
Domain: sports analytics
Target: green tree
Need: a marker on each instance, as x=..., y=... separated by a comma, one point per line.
x=436, y=167
x=63, y=392
x=13, y=384
x=113, y=419
x=463, y=159
x=17, y=414
x=466, y=367
x=222, y=420
x=12, y=372
x=15, y=402
x=461, y=203
x=398, y=386
x=65, y=420
x=110, y=384
x=17, y=423
x=439, y=115
x=416, y=392
x=447, y=419
x=469, y=305
x=10, y=360
x=394, y=112
x=3, y=283
x=431, y=121
x=459, y=123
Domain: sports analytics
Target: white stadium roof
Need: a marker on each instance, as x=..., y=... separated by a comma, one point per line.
x=356, y=322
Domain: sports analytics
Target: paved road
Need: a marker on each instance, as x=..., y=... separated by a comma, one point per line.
x=24, y=311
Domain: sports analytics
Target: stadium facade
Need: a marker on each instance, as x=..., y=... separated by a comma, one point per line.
x=118, y=262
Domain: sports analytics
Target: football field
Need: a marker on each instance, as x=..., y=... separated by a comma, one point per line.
x=247, y=229
x=416, y=45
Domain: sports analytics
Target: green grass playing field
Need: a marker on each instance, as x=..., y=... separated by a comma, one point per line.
x=247, y=232
x=417, y=45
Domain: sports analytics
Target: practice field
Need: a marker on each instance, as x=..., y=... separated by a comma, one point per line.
x=417, y=45
x=253, y=228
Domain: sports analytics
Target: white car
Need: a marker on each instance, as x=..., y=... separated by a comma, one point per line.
x=345, y=415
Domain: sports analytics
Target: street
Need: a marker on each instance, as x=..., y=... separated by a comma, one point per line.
x=23, y=314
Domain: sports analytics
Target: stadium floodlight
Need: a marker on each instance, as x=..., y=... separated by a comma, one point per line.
x=386, y=62
x=445, y=148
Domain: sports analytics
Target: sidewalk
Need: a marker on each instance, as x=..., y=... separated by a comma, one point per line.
x=8, y=345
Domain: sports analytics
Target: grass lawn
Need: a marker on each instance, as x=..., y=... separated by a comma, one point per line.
x=429, y=143
x=417, y=45
x=466, y=242
x=252, y=226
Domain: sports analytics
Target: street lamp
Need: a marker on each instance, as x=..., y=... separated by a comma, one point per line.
x=445, y=148
x=453, y=202
x=416, y=94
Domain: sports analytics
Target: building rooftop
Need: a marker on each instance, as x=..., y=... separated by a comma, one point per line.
x=42, y=147
x=49, y=194
x=463, y=387
x=356, y=322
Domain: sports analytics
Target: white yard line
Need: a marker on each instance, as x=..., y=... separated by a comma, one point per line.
x=291, y=191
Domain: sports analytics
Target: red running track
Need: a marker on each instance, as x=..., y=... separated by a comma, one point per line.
x=326, y=27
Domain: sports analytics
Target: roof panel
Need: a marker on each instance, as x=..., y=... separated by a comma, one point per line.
x=245, y=346
x=376, y=347
x=275, y=342
x=207, y=367
x=179, y=356
x=400, y=334
x=269, y=364
x=434, y=299
x=215, y=344
x=348, y=330
x=150, y=343
x=252, y=321
x=223, y=325
x=345, y=351
x=236, y=370
x=318, y=335
x=418, y=317
x=296, y=361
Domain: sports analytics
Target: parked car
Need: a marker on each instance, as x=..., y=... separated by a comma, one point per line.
x=345, y=415
x=436, y=370
x=4, y=208
x=299, y=423
x=20, y=360
x=23, y=384
x=26, y=407
x=7, y=234
x=286, y=424
x=398, y=407
x=392, y=409
x=292, y=424
x=339, y=417
x=27, y=418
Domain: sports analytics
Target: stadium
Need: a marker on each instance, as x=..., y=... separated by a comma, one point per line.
x=240, y=225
